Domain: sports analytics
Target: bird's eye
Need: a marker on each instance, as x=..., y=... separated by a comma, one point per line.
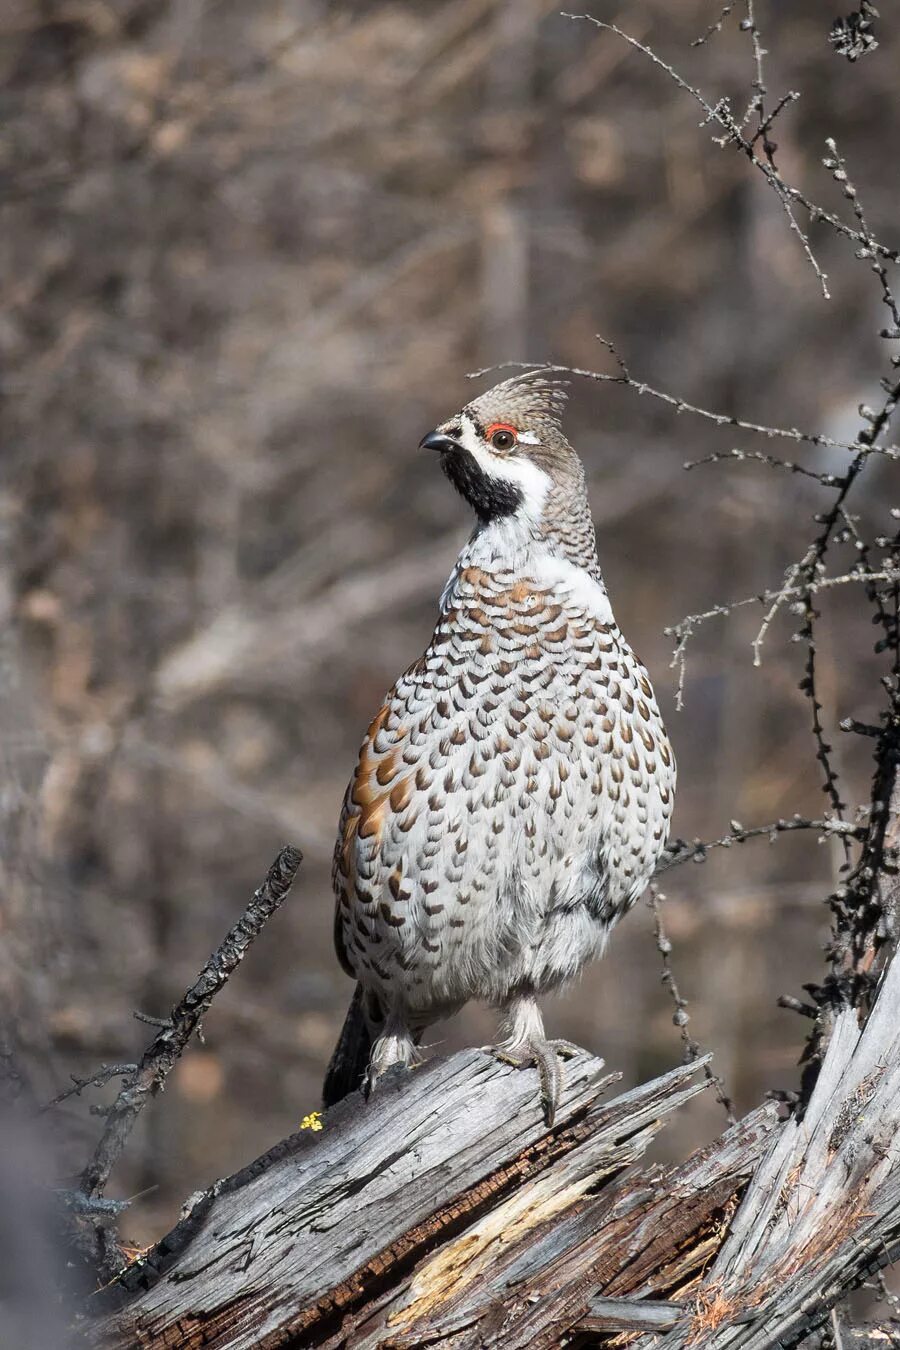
x=502, y=436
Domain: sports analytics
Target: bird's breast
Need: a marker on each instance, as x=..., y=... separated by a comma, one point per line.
x=518, y=773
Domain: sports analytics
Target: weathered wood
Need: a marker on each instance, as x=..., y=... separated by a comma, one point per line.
x=629, y=1314
x=452, y=1161
x=645, y=1234
x=824, y=1205
x=445, y=1210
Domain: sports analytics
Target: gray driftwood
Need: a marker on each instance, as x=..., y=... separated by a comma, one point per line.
x=444, y=1210
x=824, y=1205
x=418, y=1207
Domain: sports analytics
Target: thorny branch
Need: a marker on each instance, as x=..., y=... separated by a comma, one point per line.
x=863, y=907
x=721, y=114
x=682, y=405
x=104, y=1074
x=684, y=631
x=681, y=1017
x=697, y=850
x=760, y=457
x=809, y=570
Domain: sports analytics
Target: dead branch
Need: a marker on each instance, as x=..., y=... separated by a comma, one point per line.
x=681, y=405
x=148, y=1077
x=98, y=1079
x=364, y=1235
x=823, y=1208
x=697, y=850
x=721, y=114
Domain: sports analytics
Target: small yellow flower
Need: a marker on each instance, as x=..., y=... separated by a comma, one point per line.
x=312, y=1122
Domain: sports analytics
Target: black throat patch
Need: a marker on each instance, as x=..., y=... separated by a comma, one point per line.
x=489, y=497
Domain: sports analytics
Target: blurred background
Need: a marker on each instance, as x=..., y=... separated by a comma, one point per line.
x=250, y=253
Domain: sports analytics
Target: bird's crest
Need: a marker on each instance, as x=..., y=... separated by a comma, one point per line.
x=527, y=399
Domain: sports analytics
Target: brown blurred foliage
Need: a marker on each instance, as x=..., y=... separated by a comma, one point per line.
x=250, y=254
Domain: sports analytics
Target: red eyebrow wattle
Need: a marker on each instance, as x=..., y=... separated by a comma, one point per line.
x=501, y=426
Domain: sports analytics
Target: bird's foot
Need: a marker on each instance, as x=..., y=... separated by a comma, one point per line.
x=395, y=1049
x=545, y=1056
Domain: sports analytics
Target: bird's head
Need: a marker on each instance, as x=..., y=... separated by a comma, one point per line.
x=505, y=452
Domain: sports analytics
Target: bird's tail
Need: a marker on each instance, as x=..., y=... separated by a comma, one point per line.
x=351, y=1054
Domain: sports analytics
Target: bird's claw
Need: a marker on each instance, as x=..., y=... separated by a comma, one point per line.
x=544, y=1056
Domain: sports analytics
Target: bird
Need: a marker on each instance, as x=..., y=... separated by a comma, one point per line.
x=513, y=794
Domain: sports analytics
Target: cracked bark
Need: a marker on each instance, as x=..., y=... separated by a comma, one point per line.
x=365, y=1236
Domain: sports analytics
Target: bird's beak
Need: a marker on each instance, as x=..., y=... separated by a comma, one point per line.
x=436, y=440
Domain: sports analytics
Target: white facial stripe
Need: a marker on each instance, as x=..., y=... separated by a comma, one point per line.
x=471, y=441
x=533, y=483
x=529, y=438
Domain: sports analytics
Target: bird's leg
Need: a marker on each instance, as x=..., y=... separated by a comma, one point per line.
x=524, y=1045
x=396, y=1044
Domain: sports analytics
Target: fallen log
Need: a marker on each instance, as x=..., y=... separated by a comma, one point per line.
x=411, y=1216
x=823, y=1209
x=444, y=1210
x=647, y=1234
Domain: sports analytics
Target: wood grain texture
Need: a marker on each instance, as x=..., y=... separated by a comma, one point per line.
x=645, y=1234
x=418, y=1193
x=824, y=1205
x=444, y=1210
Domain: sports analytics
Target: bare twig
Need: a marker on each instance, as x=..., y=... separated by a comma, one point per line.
x=684, y=631
x=766, y=124
x=757, y=98
x=696, y=850
x=681, y=1017
x=104, y=1074
x=682, y=405
x=715, y=27
x=838, y=166
x=760, y=457
x=720, y=113
x=810, y=569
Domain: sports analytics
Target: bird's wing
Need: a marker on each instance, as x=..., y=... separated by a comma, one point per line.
x=379, y=793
